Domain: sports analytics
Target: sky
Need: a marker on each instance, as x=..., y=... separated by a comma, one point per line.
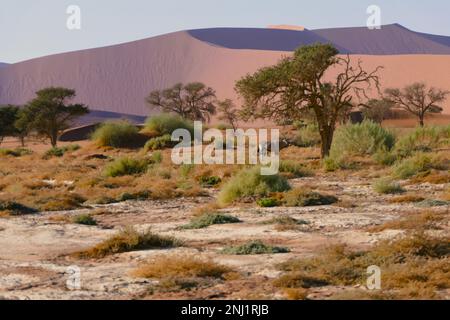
x=34, y=28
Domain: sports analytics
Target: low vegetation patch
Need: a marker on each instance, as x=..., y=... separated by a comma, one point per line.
x=250, y=183
x=84, y=219
x=116, y=134
x=423, y=140
x=387, y=186
x=166, y=124
x=129, y=239
x=406, y=199
x=209, y=219
x=159, y=143
x=61, y=202
x=421, y=221
x=292, y=169
x=18, y=152
x=126, y=166
x=254, y=247
x=11, y=208
x=419, y=163
x=60, y=151
x=414, y=261
x=301, y=197
x=286, y=223
x=181, y=266
x=268, y=202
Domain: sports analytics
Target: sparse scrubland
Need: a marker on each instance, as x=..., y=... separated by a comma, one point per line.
x=347, y=197
x=207, y=220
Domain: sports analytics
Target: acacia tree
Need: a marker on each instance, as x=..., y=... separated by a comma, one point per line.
x=228, y=112
x=417, y=99
x=193, y=101
x=49, y=114
x=296, y=84
x=8, y=116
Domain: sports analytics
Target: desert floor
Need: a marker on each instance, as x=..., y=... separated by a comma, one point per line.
x=37, y=249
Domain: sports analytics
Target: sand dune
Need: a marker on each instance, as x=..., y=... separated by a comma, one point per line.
x=118, y=78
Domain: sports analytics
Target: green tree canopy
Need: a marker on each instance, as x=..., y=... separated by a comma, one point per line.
x=49, y=114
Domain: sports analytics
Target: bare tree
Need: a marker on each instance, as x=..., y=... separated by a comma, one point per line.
x=192, y=101
x=228, y=112
x=417, y=99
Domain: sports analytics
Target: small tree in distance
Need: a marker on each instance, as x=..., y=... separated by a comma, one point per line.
x=377, y=110
x=228, y=112
x=194, y=101
x=49, y=114
x=417, y=99
x=8, y=117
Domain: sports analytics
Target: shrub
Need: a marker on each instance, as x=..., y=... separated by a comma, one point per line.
x=209, y=181
x=127, y=240
x=294, y=169
x=208, y=219
x=116, y=134
x=181, y=266
x=384, y=157
x=158, y=143
x=300, y=197
x=15, y=209
x=126, y=166
x=254, y=247
x=423, y=139
x=307, y=136
x=250, y=183
x=387, y=186
x=361, y=139
x=62, y=202
x=84, y=219
x=165, y=123
x=418, y=163
x=433, y=203
x=268, y=202
x=285, y=223
x=59, y=152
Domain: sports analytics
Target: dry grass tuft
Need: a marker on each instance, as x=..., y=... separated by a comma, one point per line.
x=416, y=221
x=406, y=199
x=181, y=266
x=127, y=240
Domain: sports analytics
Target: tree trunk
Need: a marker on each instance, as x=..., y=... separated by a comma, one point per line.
x=326, y=134
x=54, y=139
x=421, y=121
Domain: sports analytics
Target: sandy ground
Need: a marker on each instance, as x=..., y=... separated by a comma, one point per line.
x=34, y=250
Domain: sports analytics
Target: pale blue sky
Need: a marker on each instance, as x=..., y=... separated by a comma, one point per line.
x=33, y=28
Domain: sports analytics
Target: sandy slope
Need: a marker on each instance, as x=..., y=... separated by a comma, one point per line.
x=118, y=78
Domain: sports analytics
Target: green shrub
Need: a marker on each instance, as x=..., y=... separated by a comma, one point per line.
x=15, y=209
x=418, y=163
x=250, y=183
x=209, y=181
x=294, y=169
x=84, y=219
x=61, y=151
x=387, y=186
x=141, y=195
x=126, y=166
x=254, y=247
x=423, y=140
x=366, y=138
x=307, y=136
x=158, y=143
x=18, y=152
x=305, y=198
x=384, y=157
x=157, y=157
x=268, y=202
x=116, y=134
x=165, y=123
x=209, y=219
